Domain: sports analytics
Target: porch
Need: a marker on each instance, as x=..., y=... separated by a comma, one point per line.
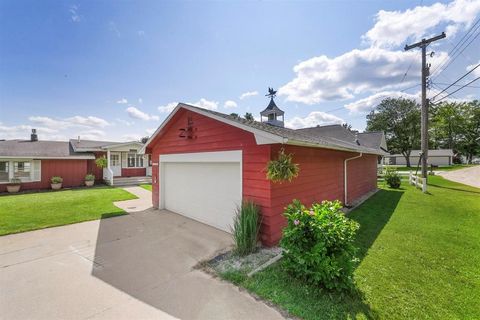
x=125, y=166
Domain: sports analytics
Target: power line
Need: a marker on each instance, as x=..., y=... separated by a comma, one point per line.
x=460, y=52
x=466, y=74
x=459, y=44
x=455, y=85
x=467, y=84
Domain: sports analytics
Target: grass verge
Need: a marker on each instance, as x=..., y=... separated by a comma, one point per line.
x=419, y=260
x=26, y=212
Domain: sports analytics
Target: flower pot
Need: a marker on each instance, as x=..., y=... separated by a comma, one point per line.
x=89, y=183
x=56, y=186
x=13, y=188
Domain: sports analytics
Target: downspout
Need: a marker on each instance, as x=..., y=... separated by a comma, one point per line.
x=345, y=183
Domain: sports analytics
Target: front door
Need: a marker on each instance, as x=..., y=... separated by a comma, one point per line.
x=116, y=164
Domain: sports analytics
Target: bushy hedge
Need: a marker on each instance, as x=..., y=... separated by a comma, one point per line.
x=318, y=244
x=392, y=178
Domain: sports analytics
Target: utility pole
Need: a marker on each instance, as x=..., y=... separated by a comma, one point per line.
x=425, y=102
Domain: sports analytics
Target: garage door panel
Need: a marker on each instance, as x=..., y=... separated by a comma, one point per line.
x=207, y=192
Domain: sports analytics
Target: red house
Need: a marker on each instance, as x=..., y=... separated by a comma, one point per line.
x=35, y=161
x=205, y=162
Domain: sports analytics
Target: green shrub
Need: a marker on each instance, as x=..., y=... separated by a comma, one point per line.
x=318, y=244
x=282, y=168
x=246, y=226
x=15, y=181
x=56, y=179
x=101, y=162
x=90, y=177
x=392, y=178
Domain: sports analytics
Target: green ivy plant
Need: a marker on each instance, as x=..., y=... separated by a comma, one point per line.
x=282, y=169
x=101, y=162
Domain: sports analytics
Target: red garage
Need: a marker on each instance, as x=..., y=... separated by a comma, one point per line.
x=206, y=162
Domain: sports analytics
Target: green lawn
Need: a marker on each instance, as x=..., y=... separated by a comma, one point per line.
x=25, y=212
x=420, y=259
x=449, y=168
x=146, y=187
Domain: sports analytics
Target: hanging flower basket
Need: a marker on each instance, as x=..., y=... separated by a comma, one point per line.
x=282, y=169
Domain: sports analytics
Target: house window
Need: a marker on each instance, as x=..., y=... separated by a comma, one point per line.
x=21, y=169
x=139, y=161
x=114, y=160
x=4, y=171
x=131, y=160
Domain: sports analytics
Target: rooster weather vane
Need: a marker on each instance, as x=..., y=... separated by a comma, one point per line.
x=271, y=93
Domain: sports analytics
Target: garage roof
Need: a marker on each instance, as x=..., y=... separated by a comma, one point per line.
x=274, y=134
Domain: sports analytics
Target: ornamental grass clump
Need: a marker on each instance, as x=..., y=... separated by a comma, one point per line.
x=318, y=244
x=246, y=226
x=282, y=169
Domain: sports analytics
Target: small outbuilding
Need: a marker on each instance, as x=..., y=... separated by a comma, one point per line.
x=204, y=163
x=440, y=157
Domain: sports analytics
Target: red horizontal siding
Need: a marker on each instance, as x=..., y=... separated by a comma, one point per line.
x=133, y=172
x=72, y=171
x=92, y=166
x=212, y=135
x=321, y=170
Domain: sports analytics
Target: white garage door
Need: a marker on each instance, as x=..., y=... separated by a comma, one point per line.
x=205, y=191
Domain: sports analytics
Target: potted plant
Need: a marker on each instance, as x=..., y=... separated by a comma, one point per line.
x=14, y=185
x=56, y=182
x=89, y=180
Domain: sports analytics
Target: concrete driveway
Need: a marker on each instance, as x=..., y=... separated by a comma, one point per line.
x=137, y=266
x=469, y=176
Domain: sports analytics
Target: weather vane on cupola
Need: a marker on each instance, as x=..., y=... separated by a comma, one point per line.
x=271, y=93
x=272, y=112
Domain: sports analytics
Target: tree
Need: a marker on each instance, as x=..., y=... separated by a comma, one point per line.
x=399, y=118
x=144, y=140
x=469, y=143
x=249, y=116
x=347, y=126
x=235, y=115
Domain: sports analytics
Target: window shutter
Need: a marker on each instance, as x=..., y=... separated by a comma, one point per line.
x=37, y=170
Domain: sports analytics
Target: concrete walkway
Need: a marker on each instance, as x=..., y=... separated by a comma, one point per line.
x=143, y=202
x=137, y=266
x=469, y=176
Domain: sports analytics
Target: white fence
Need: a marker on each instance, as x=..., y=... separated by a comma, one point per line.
x=418, y=182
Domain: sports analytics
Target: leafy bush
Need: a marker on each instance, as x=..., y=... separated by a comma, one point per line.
x=90, y=177
x=392, y=178
x=246, y=226
x=282, y=169
x=318, y=244
x=56, y=179
x=15, y=181
x=101, y=162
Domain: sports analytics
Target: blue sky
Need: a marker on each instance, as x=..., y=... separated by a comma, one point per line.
x=112, y=70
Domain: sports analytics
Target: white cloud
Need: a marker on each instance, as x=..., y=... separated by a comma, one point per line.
x=206, y=104
x=313, y=119
x=125, y=122
x=150, y=131
x=475, y=73
x=229, y=104
x=325, y=79
x=74, y=121
x=248, y=94
x=122, y=101
x=74, y=13
x=23, y=131
x=140, y=100
x=168, y=107
x=367, y=104
x=91, y=135
x=131, y=137
x=394, y=28
x=138, y=114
